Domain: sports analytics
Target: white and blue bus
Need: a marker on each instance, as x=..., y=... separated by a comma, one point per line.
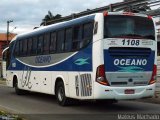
x=95, y=57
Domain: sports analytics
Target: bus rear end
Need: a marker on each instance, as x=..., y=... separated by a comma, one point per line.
x=129, y=56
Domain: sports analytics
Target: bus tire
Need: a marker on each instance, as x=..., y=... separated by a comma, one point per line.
x=60, y=95
x=17, y=90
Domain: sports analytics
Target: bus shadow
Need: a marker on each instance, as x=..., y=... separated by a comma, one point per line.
x=98, y=107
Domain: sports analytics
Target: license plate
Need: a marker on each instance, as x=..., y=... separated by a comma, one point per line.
x=129, y=91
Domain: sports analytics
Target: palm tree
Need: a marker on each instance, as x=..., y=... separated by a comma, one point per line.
x=49, y=17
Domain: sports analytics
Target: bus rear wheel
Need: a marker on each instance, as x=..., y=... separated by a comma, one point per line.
x=60, y=94
x=107, y=102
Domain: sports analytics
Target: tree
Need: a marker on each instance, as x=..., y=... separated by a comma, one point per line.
x=49, y=17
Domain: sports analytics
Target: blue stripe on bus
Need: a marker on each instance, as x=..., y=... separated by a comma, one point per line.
x=82, y=61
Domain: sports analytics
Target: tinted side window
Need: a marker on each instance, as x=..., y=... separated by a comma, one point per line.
x=77, y=37
x=60, y=41
x=158, y=48
x=29, y=46
x=24, y=47
x=20, y=48
x=40, y=45
x=68, y=39
x=87, y=31
x=8, y=57
x=4, y=57
x=87, y=34
x=53, y=42
x=16, y=52
x=34, y=46
x=46, y=42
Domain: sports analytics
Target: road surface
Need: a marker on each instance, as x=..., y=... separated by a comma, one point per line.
x=35, y=106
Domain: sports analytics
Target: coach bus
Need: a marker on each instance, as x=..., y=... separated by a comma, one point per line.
x=102, y=56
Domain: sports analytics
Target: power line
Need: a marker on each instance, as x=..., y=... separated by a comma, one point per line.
x=142, y=6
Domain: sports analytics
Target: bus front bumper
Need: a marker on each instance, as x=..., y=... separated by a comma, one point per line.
x=118, y=93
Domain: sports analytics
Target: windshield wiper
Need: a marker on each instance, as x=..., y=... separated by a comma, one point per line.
x=149, y=37
x=129, y=35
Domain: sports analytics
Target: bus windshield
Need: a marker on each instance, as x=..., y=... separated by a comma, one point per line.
x=120, y=26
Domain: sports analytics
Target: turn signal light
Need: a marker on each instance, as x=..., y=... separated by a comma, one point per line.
x=150, y=17
x=105, y=13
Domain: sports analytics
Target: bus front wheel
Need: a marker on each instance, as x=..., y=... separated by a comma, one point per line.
x=17, y=90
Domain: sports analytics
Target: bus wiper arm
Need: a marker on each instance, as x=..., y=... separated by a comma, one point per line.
x=149, y=37
x=128, y=35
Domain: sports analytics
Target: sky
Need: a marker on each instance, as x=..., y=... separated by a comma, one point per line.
x=27, y=14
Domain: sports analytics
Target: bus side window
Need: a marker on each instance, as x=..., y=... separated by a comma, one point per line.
x=46, y=43
x=34, y=46
x=77, y=37
x=25, y=47
x=158, y=48
x=53, y=42
x=9, y=54
x=21, y=48
x=60, y=41
x=40, y=45
x=4, y=56
x=68, y=40
x=29, y=46
x=87, y=34
x=16, y=52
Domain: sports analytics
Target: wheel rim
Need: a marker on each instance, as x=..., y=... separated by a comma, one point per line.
x=61, y=94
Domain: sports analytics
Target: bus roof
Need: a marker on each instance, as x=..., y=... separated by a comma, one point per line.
x=60, y=25
x=126, y=13
x=56, y=26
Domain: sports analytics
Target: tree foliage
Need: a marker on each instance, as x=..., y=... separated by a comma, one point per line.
x=48, y=18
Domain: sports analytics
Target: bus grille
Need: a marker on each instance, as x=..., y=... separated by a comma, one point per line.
x=83, y=85
x=129, y=51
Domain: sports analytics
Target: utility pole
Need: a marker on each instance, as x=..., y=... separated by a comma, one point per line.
x=9, y=21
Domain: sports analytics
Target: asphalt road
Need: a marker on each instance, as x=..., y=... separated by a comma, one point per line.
x=34, y=106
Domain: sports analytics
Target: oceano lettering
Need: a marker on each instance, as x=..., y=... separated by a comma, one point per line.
x=130, y=62
x=43, y=59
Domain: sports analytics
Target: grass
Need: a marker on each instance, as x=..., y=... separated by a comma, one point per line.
x=8, y=116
